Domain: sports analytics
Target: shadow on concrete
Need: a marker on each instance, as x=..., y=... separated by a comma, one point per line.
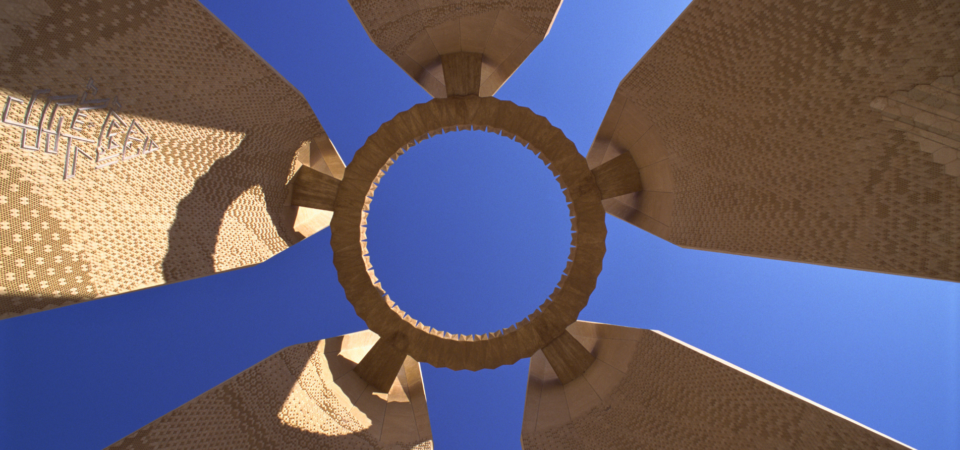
x=244, y=411
x=245, y=97
x=17, y=305
x=193, y=236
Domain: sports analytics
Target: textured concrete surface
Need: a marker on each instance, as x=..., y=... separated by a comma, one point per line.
x=305, y=396
x=442, y=348
x=648, y=390
x=419, y=34
x=799, y=131
x=150, y=145
x=157, y=148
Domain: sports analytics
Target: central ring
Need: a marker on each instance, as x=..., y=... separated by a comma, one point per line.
x=384, y=317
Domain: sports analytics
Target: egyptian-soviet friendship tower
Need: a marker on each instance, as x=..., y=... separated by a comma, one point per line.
x=147, y=145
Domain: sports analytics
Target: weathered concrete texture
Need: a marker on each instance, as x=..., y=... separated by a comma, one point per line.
x=416, y=34
x=194, y=135
x=306, y=397
x=799, y=131
x=648, y=390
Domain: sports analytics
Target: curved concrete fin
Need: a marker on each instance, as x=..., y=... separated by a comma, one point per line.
x=793, y=140
x=648, y=390
x=171, y=165
x=304, y=396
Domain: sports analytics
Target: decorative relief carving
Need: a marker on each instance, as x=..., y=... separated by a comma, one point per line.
x=69, y=121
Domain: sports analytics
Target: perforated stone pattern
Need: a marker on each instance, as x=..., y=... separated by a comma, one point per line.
x=209, y=199
x=671, y=396
x=286, y=401
x=765, y=110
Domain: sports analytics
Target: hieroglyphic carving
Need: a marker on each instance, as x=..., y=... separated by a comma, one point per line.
x=102, y=144
x=212, y=199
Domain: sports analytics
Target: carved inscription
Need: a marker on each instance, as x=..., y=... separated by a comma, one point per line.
x=81, y=125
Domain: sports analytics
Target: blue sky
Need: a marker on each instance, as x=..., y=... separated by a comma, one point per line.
x=468, y=233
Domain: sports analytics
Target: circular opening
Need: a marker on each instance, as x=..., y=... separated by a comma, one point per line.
x=490, y=239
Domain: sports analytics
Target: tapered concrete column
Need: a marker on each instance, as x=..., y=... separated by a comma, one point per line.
x=305, y=396
x=648, y=390
x=768, y=141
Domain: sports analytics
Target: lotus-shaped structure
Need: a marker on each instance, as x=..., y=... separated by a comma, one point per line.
x=144, y=144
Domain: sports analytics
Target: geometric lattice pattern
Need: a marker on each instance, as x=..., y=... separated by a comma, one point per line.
x=142, y=143
x=763, y=130
x=304, y=396
x=648, y=390
x=164, y=148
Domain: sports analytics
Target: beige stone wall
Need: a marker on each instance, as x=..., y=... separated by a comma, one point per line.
x=800, y=131
x=303, y=397
x=648, y=390
x=199, y=186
